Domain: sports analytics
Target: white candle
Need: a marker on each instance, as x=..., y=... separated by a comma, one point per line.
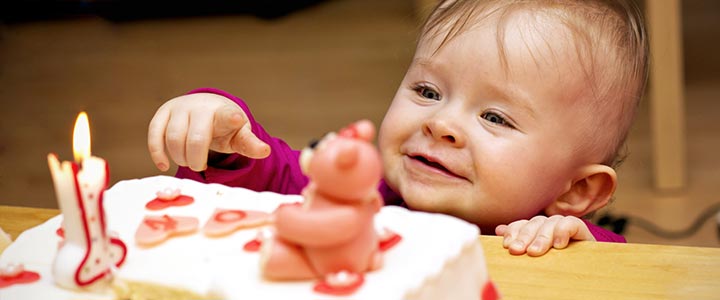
x=88, y=254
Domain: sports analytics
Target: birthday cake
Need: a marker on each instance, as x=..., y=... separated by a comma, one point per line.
x=435, y=257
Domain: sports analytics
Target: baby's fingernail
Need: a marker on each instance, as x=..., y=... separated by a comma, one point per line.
x=557, y=242
x=517, y=245
x=162, y=166
x=534, y=248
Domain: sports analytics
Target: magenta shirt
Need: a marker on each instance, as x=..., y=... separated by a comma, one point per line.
x=280, y=172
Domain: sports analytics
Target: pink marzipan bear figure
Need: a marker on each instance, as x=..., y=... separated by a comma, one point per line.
x=330, y=236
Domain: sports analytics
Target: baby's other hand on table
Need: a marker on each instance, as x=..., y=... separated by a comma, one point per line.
x=191, y=126
x=537, y=235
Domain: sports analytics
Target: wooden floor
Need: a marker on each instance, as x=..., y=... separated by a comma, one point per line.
x=303, y=75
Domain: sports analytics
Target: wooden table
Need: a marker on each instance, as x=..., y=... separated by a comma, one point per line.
x=584, y=270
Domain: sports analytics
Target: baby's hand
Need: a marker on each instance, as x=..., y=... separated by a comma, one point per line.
x=537, y=235
x=190, y=126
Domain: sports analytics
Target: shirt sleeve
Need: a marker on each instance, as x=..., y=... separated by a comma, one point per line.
x=279, y=172
x=604, y=235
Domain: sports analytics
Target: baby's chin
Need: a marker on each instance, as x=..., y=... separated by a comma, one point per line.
x=434, y=199
x=427, y=203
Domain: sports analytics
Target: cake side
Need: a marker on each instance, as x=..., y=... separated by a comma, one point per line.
x=459, y=278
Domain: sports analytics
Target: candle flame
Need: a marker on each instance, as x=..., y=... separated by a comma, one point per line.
x=81, y=137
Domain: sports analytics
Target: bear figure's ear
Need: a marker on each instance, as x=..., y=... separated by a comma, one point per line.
x=363, y=130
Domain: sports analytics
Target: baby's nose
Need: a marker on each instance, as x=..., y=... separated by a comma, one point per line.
x=445, y=131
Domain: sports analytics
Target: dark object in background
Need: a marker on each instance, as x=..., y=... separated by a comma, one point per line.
x=13, y=11
x=618, y=223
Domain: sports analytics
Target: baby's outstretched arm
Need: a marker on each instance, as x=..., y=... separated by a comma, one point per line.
x=537, y=235
x=191, y=126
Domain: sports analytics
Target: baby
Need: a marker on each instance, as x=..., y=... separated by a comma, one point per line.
x=510, y=116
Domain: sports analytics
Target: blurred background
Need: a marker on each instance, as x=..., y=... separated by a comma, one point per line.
x=305, y=67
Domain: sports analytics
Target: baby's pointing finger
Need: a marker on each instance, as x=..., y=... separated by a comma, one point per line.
x=246, y=143
x=228, y=119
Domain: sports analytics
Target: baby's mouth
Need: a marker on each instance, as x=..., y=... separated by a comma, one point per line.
x=430, y=163
x=434, y=165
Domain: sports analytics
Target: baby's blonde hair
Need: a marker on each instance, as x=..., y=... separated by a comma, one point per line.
x=610, y=41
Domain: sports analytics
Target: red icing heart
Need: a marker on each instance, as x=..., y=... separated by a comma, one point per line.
x=489, y=292
x=226, y=221
x=156, y=229
x=60, y=232
x=24, y=277
x=324, y=287
x=390, y=240
x=158, y=204
x=253, y=245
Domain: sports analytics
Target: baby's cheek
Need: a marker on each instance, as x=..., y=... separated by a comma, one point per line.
x=501, y=204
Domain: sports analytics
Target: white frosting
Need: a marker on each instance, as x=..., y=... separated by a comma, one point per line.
x=425, y=264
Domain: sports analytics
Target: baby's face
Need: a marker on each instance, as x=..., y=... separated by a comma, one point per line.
x=491, y=144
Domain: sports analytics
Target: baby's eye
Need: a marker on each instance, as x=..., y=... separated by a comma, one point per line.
x=495, y=119
x=427, y=92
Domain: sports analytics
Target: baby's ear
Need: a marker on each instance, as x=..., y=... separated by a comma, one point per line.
x=590, y=190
